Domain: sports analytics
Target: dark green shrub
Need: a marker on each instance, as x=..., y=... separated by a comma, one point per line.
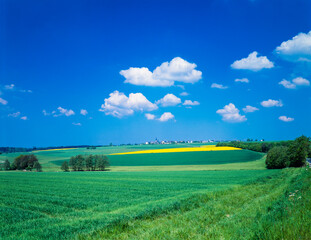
x=298, y=151
x=277, y=158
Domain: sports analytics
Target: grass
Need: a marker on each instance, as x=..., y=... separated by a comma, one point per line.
x=184, y=158
x=251, y=165
x=52, y=160
x=277, y=207
x=156, y=196
x=64, y=205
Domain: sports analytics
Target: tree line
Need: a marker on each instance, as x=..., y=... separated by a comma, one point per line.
x=86, y=163
x=279, y=154
x=294, y=155
x=14, y=149
x=23, y=162
x=21, y=149
x=255, y=146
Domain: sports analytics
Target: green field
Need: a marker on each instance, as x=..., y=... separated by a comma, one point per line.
x=52, y=160
x=277, y=207
x=64, y=205
x=156, y=196
x=184, y=158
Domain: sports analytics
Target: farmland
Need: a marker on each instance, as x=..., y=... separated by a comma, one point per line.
x=277, y=207
x=64, y=205
x=151, y=190
x=51, y=160
x=207, y=148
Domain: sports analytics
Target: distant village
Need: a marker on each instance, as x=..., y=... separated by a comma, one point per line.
x=156, y=142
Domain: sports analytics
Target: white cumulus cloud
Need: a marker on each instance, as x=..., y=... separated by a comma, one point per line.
x=150, y=116
x=166, y=116
x=143, y=77
x=242, y=80
x=3, y=101
x=45, y=113
x=231, y=114
x=77, y=124
x=299, y=81
x=253, y=63
x=249, y=109
x=14, y=114
x=169, y=100
x=296, y=49
x=184, y=94
x=190, y=103
x=287, y=84
x=119, y=105
x=83, y=112
x=272, y=103
x=9, y=87
x=61, y=112
x=165, y=75
x=219, y=86
x=17, y=114
x=286, y=119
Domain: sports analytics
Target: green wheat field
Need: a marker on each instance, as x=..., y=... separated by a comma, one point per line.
x=200, y=195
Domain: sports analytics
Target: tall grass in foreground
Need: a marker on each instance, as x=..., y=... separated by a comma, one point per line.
x=63, y=205
x=277, y=207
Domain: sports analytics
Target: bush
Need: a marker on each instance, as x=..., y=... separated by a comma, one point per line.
x=277, y=158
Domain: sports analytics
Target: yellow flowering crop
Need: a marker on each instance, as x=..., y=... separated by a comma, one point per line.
x=186, y=149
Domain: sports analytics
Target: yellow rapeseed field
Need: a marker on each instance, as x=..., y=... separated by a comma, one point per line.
x=186, y=149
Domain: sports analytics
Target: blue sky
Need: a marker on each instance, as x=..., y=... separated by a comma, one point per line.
x=175, y=70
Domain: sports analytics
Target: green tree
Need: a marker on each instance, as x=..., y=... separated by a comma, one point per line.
x=73, y=163
x=13, y=166
x=20, y=162
x=94, y=162
x=89, y=162
x=80, y=162
x=28, y=168
x=102, y=162
x=65, y=166
x=264, y=147
x=31, y=160
x=298, y=151
x=25, y=161
x=277, y=158
x=6, y=165
x=37, y=166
